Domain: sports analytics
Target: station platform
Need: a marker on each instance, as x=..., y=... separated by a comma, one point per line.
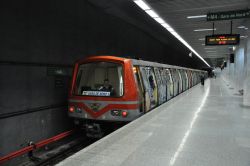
x=206, y=125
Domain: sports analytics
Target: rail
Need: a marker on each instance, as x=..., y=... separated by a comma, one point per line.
x=35, y=146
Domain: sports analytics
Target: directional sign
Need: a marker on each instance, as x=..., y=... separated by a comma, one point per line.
x=228, y=15
x=223, y=39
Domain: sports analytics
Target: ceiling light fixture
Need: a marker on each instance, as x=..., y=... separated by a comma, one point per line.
x=144, y=6
x=199, y=16
x=241, y=27
x=200, y=30
x=243, y=37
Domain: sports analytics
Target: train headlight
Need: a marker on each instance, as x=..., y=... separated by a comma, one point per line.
x=124, y=114
x=71, y=109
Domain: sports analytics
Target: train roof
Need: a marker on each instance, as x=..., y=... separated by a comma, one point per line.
x=136, y=62
x=156, y=64
x=102, y=57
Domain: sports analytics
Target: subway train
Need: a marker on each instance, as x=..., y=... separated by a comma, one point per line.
x=115, y=89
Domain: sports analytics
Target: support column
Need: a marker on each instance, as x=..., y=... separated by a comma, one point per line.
x=231, y=74
x=239, y=67
x=225, y=71
x=246, y=84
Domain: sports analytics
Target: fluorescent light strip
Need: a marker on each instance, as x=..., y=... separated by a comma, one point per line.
x=210, y=48
x=200, y=30
x=199, y=16
x=144, y=6
x=152, y=13
x=159, y=20
x=165, y=25
x=170, y=29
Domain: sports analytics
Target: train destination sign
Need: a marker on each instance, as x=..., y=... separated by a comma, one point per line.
x=228, y=15
x=223, y=39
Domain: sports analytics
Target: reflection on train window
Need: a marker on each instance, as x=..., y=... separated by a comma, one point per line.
x=151, y=82
x=100, y=79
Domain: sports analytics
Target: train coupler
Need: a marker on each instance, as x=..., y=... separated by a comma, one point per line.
x=94, y=130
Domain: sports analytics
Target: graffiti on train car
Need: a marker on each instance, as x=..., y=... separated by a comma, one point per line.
x=150, y=85
x=161, y=86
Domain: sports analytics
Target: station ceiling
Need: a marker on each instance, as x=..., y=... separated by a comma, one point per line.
x=175, y=12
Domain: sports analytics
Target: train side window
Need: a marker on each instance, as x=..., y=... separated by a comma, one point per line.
x=151, y=82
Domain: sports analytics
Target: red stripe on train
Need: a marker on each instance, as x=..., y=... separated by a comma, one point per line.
x=105, y=109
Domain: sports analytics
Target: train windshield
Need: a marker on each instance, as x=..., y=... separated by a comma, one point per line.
x=100, y=79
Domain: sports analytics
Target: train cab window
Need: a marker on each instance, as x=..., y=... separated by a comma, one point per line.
x=100, y=79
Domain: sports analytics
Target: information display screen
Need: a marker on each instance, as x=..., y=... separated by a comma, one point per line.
x=223, y=39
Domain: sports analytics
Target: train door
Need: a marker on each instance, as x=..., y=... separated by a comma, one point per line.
x=164, y=83
x=170, y=84
x=183, y=80
x=160, y=86
x=186, y=75
x=190, y=79
x=150, y=87
x=180, y=81
x=175, y=81
x=197, y=76
x=186, y=79
x=194, y=78
x=140, y=86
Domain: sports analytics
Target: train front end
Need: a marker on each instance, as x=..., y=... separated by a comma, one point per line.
x=103, y=89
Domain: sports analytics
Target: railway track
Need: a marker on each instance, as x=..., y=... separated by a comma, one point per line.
x=53, y=154
x=54, y=158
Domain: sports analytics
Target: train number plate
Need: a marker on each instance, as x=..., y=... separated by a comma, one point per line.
x=95, y=93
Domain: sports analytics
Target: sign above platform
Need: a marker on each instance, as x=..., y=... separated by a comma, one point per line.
x=228, y=15
x=223, y=39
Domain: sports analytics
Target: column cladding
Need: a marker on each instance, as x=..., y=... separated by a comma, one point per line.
x=246, y=84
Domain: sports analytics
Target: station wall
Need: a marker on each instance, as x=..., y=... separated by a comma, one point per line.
x=40, y=36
